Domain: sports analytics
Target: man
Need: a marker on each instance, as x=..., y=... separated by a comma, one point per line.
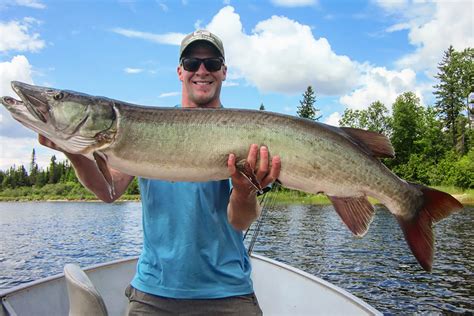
x=193, y=259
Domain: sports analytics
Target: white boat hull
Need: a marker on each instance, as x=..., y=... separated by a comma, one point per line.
x=281, y=290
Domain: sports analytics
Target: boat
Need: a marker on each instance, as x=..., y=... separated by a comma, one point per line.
x=99, y=290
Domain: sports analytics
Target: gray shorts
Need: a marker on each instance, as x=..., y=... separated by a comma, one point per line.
x=141, y=303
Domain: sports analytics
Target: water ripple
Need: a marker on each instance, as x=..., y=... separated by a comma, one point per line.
x=38, y=239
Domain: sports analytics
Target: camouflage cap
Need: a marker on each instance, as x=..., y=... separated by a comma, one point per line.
x=201, y=35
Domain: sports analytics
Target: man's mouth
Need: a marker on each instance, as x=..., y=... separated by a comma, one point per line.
x=202, y=83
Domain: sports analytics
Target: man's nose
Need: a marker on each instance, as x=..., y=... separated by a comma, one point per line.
x=202, y=69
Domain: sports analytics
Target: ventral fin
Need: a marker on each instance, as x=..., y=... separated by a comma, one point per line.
x=101, y=161
x=356, y=212
x=378, y=144
x=244, y=168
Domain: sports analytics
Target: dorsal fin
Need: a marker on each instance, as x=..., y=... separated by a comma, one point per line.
x=378, y=144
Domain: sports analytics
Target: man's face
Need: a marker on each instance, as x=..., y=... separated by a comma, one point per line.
x=201, y=88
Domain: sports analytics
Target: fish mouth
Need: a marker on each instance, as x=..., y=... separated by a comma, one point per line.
x=34, y=99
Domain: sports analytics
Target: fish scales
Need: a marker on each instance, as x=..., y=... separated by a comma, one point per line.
x=194, y=145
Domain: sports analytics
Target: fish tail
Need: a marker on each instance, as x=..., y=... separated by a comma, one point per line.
x=418, y=230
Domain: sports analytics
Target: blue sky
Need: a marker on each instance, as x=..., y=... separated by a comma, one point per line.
x=351, y=52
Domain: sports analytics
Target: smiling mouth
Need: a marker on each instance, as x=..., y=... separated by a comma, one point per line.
x=202, y=83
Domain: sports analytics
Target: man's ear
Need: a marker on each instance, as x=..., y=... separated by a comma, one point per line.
x=224, y=72
x=179, y=70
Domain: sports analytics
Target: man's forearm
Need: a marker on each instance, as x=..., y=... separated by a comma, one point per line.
x=243, y=209
x=90, y=176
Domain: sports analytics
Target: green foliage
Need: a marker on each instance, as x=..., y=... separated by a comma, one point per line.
x=407, y=127
x=262, y=107
x=375, y=118
x=306, y=108
x=456, y=81
x=133, y=187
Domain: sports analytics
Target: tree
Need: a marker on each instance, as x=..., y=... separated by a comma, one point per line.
x=375, y=118
x=33, y=168
x=407, y=125
x=262, y=107
x=306, y=108
x=453, y=89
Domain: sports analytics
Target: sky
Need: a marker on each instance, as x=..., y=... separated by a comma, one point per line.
x=351, y=52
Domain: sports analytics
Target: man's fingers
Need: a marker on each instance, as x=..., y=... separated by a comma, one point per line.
x=231, y=165
x=274, y=172
x=252, y=156
x=263, y=168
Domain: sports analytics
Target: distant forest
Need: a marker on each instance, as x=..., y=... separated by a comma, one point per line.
x=434, y=145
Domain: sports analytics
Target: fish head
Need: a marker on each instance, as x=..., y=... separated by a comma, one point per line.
x=78, y=123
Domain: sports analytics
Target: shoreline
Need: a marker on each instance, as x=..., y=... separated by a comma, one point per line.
x=280, y=198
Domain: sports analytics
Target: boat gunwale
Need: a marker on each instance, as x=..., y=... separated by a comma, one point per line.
x=4, y=294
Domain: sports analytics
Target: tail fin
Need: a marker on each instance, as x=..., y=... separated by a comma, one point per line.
x=418, y=230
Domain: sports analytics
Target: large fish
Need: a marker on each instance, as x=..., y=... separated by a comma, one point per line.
x=194, y=144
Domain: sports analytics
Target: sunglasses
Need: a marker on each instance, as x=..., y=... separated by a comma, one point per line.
x=193, y=64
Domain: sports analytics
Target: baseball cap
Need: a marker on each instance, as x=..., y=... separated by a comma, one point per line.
x=201, y=35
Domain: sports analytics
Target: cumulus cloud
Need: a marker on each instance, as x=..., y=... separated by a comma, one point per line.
x=381, y=84
x=17, y=69
x=133, y=70
x=278, y=55
x=294, y=3
x=432, y=27
x=20, y=153
x=282, y=55
x=168, y=38
x=16, y=35
x=333, y=119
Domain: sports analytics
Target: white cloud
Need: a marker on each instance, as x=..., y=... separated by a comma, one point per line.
x=31, y=4
x=18, y=69
x=133, y=70
x=16, y=35
x=229, y=83
x=333, y=119
x=168, y=38
x=380, y=84
x=294, y=3
x=433, y=26
x=17, y=151
x=279, y=55
x=168, y=94
x=282, y=55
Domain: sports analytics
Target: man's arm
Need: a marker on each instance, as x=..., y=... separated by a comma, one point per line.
x=90, y=176
x=243, y=207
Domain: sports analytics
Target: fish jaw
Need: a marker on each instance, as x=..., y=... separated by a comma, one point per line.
x=35, y=99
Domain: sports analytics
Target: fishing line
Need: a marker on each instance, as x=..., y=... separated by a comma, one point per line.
x=266, y=202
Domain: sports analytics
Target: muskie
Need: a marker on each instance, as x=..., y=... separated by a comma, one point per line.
x=194, y=144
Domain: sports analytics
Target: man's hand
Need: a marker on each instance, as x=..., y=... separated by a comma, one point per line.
x=243, y=208
x=265, y=174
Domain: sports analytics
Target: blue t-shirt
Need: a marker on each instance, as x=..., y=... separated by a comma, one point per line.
x=190, y=250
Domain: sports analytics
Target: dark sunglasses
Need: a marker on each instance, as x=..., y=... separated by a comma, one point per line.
x=193, y=64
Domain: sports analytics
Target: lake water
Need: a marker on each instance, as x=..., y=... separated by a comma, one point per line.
x=38, y=239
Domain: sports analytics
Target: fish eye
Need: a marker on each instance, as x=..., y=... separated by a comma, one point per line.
x=58, y=96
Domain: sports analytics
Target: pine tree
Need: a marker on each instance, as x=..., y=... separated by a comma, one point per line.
x=306, y=108
x=450, y=93
x=33, y=169
x=262, y=107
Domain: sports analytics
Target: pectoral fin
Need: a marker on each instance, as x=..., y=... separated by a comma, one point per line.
x=243, y=167
x=101, y=161
x=356, y=212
